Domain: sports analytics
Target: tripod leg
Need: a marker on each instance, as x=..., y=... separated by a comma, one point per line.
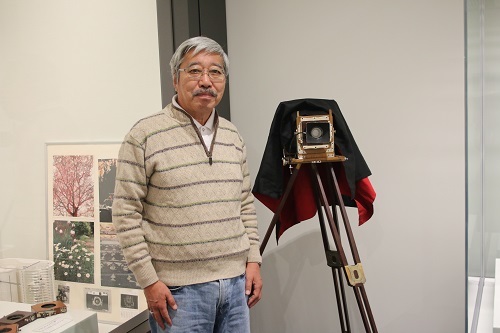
x=360, y=306
x=355, y=273
x=338, y=278
x=329, y=215
x=363, y=303
x=338, y=282
x=368, y=308
x=276, y=216
x=347, y=225
x=333, y=261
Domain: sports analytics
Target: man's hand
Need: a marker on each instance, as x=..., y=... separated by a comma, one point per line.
x=157, y=296
x=253, y=284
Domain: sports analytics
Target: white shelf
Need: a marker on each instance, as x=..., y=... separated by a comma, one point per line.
x=76, y=321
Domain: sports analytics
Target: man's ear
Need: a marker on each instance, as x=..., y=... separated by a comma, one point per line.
x=174, y=82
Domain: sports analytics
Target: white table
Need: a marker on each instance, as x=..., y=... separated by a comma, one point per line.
x=73, y=321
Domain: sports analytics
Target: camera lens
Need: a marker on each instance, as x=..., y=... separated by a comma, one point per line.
x=316, y=132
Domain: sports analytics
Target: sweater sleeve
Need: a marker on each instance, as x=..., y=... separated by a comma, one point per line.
x=248, y=212
x=130, y=191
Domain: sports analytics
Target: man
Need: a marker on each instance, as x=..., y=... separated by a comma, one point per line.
x=183, y=209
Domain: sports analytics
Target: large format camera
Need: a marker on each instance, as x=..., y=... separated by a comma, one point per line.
x=314, y=140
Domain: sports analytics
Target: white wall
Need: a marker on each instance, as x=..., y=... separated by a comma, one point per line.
x=70, y=71
x=85, y=71
x=396, y=68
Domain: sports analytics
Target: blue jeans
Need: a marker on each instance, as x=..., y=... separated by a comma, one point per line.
x=213, y=307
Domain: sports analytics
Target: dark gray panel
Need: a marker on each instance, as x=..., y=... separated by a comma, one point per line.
x=192, y=18
x=213, y=20
x=213, y=25
x=166, y=49
x=186, y=20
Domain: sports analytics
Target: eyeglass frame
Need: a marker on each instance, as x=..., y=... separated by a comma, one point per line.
x=203, y=72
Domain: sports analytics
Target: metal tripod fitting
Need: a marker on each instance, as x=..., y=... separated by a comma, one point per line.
x=355, y=274
x=333, y=258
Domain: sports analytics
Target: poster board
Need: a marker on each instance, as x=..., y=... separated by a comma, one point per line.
x=89, y=267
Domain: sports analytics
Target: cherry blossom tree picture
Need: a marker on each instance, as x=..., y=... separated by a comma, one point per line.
x=73, y=186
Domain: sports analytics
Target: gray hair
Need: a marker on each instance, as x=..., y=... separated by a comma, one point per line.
x=198, y=44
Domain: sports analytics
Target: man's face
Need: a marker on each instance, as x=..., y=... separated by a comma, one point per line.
x=199, y=95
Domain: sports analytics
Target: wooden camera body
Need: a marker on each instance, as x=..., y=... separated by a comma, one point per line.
x=315, y=140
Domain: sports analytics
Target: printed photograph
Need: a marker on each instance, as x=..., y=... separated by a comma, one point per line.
x=129, y=301
x=73, y=247
x=73, y=187
x=97, y=300
x=62, y=293
x=107, y=176
x=114, y=269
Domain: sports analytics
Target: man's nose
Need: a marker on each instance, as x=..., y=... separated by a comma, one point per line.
x=205, y=79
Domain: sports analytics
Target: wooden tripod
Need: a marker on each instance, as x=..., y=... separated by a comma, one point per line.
x=335, y=259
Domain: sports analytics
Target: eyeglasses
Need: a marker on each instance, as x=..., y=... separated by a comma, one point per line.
x=195, y=73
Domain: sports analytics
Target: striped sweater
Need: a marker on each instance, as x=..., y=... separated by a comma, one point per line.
x=183, y=213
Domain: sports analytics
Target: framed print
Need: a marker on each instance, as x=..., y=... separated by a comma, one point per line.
x=82, y=239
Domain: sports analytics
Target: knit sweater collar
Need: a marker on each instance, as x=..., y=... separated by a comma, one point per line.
x=180, y=115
